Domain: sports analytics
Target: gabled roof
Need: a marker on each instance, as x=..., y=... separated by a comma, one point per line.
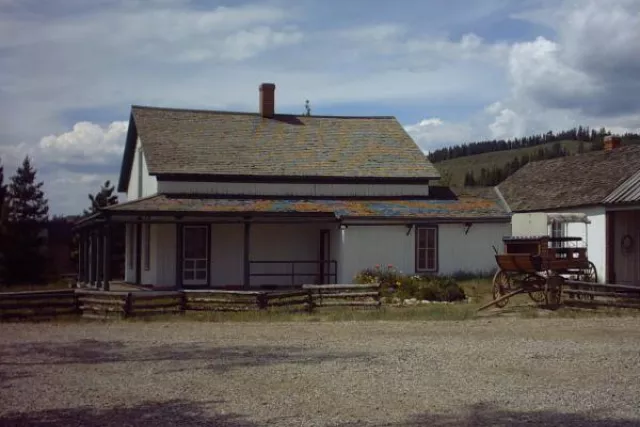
x=199, y=142
x=579, y=180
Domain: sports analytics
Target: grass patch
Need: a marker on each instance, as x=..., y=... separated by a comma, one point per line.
x=457, y=311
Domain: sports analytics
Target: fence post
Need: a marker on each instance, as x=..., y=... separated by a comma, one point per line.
x=310, y=304
x=263, y=301
x=128, y=305
x=379, y=296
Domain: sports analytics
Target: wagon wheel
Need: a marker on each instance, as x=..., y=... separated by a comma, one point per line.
x=502, y=285
x=538, y=295
x=589, y=274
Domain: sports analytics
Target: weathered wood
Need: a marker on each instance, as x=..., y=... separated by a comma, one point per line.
x=601, y=303
x=621, y=294
x=220, y=292
x=219, y=308
x=288, y=303
x=36, y=305
x=284, y=294
x=101, y=293
x=221, y=301
x=602, y=285
x=103, y=301
x=155, y=294
x=101, y=308
x=341, y=286
x=27, y=294
x=155, y=305
x=509, y=295
x=347, y=304
x=351, y=295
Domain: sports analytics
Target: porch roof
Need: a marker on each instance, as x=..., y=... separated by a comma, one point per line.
x=462, y=208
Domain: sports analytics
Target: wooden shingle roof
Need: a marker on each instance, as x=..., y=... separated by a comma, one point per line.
x=201, y=142
x=580, y=180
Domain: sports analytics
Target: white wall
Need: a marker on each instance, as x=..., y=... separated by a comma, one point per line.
x=140, y=186
x=227, y=258
x=292, y=189
x=130, y=253
x=365, y=246
x=472, y=252
x=163, y=260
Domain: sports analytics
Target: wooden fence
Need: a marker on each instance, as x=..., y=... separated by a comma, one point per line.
x=588, y=294
x=38, y=304
x=345, y=295
x=94, y=304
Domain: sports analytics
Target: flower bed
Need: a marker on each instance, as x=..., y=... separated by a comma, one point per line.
x=398, y=286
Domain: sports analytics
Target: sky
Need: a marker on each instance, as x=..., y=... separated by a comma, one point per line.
x=451, y=71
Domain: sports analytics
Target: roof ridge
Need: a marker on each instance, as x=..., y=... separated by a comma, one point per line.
x=250, y=113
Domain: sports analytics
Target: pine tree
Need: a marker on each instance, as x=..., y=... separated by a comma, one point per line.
x=3, y=218
x=103, y=198
x=28, y=214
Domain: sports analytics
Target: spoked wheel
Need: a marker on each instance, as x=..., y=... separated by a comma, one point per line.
x=590, y=275
x=502, y=285
x=536, y=283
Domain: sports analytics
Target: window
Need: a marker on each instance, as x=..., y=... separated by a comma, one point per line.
x=147, y=246
x=130, y=239
x=426, y=249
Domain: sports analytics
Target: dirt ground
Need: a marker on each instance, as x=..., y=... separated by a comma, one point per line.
x=505, y=372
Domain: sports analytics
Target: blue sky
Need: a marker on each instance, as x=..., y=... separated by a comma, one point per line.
x=451, y=71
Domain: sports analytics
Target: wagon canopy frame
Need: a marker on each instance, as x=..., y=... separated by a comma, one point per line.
x=566, y=217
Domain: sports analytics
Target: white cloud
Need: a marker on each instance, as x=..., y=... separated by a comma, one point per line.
x=433, y=133
x=88, y=143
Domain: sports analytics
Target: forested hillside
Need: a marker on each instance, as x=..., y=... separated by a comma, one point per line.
x=487, y=163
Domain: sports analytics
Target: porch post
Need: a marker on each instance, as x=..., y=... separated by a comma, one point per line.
x=246, y=252
x=138, y=253
x=94, y=259
x=85, y=258
x=80, y=257
x=107, y=257
x=99, y=257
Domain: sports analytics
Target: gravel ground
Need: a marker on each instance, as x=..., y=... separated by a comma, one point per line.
x=582, y=372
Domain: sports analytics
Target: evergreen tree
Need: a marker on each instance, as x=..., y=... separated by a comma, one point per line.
x=28, y=214
x=307, y=108
x=103, y=198
x=4, y=204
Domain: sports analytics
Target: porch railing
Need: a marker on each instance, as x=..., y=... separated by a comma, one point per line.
x=325, y=271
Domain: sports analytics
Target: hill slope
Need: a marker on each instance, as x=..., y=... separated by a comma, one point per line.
x=453, y=171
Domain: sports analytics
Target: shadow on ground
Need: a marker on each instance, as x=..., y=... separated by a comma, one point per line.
x=220, y=358
x=491, y=415
x=158, y=414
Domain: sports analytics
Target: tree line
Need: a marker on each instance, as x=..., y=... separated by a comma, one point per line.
x=24, y=217
x=580, y=133
x=495, y=175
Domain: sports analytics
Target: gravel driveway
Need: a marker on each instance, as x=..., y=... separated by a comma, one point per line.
x=482, y=372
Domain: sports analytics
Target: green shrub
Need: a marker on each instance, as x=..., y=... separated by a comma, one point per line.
x=402, y=286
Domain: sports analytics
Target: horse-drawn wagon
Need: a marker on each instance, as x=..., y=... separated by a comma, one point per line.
x=538, y=257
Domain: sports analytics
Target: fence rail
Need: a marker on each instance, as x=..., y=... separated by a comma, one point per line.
x=593, y=295
x=368, y=295
x=95, y=304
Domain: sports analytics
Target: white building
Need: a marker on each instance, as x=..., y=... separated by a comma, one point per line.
x=604, y=185
x=226, y=199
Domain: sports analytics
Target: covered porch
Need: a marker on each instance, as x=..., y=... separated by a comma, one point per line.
x=209, y=250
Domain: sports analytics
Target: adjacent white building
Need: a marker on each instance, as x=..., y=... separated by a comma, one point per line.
x=604, y=185
x=234, y=199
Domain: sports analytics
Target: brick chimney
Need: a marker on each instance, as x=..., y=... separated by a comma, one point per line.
x=612, y=142
x=267, y=100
